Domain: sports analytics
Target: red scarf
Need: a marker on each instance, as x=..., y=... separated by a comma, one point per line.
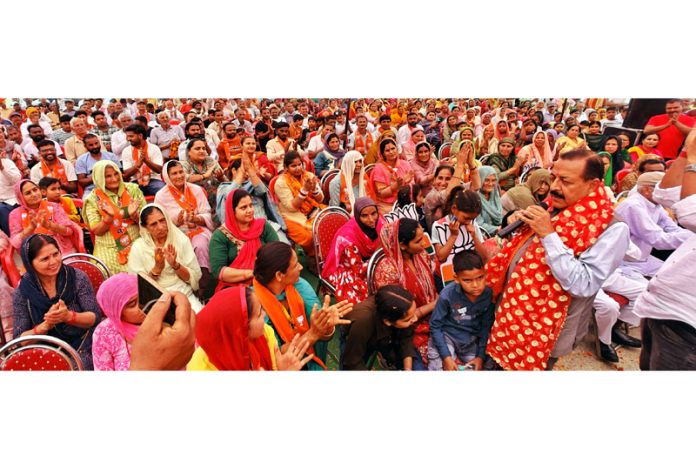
x=534, y=307
x=222, y=330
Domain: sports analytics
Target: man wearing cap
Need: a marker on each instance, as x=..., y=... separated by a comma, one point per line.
x=650, y=225
x=667, y=305
x=34, y=117
x=165, y=135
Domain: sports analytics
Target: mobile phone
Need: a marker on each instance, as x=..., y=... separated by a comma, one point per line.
x=466, y=367
x=149, y=292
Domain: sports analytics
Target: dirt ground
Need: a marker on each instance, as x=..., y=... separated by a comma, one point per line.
x=584, y=357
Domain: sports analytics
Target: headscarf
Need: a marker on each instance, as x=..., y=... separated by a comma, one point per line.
x=544, y=158
x=39, y=303
x=222, y=331
x=247, y=255
x=423, y=276
x=373, y=153
x=348, y=171
x=500, y=136
x=608, y=176
x=332, y=155
x=491, y=208
x=18, y=193
x=525, y=195
x=113, y=295
x=354, y=233
x=100, y=181
x=617, y=161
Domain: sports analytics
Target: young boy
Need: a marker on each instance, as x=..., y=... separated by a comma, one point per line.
x=462, y=318
x=50, y=189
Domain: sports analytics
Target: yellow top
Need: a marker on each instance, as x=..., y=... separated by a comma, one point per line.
x=199, y=361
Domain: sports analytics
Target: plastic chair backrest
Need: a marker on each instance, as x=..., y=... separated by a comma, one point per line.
x=39, y=353
x=326, y=181
x=324, y=228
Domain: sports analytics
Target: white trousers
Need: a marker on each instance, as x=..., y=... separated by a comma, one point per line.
x=607, y=310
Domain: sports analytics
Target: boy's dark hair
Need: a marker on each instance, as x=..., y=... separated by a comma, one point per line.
x=64, y=118
x=97, y=113
x=612, y=108
x=79, y=113
x=137, y=129
x=47, y=181
x=393, y=301
x=468, y=201
x=466, y=260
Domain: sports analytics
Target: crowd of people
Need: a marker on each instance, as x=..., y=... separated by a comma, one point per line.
x=506, y=227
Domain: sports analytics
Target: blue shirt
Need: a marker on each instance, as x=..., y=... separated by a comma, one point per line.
x=461, y=319
x=85, y=163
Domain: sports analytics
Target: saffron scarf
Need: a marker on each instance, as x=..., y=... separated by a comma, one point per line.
x=58, y=172
x=44, y=207
x=222, y=330
x=534, y=306
x=295, y=185
x=119, y=225
x=186, y=199
x=363, y=143
x=144, y=169
x=285, y=323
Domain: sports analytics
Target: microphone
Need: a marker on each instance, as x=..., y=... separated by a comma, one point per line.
x=503, y=232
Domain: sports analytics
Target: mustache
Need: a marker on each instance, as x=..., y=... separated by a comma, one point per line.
x=557, y=195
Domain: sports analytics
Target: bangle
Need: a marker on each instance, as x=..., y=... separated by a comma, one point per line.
x=303, y=196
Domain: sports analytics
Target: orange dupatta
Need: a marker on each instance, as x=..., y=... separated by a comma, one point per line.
x=55, y=173
x=187, y=201
x=369, y=190
x=534, y=306
x=362, y=144
x=43, y=207
x=295, y=186
x=118, y=228
x=286, y=324
x=145, y=170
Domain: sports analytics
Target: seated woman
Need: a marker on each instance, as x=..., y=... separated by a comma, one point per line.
x=351, y=249
x=234, y=245
x=6, y=292
x=111, y=213
x=353, y=172
x=423, y=166
x=648, y=145
x=412, y=268
x=54, y=299
x=466, y=134
x=111, y=344
x=612, y=146
x=38, y=216
x=570, y=141
x=534, y=190
x=372, y=156
x=485, y=143
x=389, y=175
x=538, y=153
x=408, y=149
x=243, y=173
x=201, y=169
x=166, y=254
x=291, y=304
x=300, y=197
x=187, y=205
x=232, y=335
x=506, y=163
x=330, y=157
x=491, y=208
x=382, y=323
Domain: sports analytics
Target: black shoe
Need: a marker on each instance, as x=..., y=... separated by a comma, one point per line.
x=608, y=353
x=621, y=338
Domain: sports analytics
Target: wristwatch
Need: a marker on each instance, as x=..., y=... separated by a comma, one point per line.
x=691, y=168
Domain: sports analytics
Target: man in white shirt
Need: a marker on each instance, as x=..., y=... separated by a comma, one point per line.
x=404, y=134
x=30, y=148
x=142, y=161
x=316, y=143
x=667, y=305
x=649, y=224
x=613, y=118
x=119, y=142
x=52, y=166
x=9, y=176
x=281, y=144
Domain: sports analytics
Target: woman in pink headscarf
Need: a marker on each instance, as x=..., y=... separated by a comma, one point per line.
x=111, y=343
x=538, y=153
x=351, y=249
